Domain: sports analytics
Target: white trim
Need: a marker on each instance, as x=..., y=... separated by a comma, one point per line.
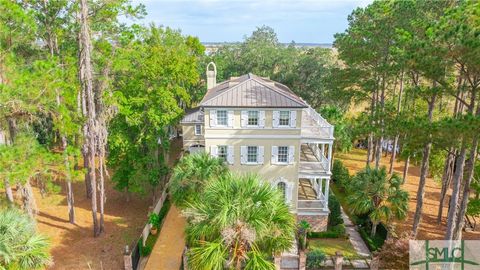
x=268, y=137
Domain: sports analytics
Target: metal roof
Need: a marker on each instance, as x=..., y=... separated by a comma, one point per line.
x=251, y=91
x=194, y=115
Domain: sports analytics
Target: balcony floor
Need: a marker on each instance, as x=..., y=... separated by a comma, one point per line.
x=305, y=190
x=306, y=154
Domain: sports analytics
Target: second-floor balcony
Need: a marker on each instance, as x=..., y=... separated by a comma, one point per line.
x=312, y=161
x=314, y=127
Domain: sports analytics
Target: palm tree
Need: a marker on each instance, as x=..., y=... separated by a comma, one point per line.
x=238, y=222
x=20, y=246
x=372, y=192
x=191, y=174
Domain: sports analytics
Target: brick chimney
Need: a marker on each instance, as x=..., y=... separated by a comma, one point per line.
x=211, y=76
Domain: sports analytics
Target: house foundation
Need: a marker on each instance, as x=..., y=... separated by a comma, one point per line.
x=317, y=222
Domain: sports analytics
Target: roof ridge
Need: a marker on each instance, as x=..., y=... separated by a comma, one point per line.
x=279, y=92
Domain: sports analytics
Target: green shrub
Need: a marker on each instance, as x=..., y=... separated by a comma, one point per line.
x=374, y=243
x=335, y=216
x=340, y=174
x=334, y=232
x=154, y=219
x=315, y=258
x=164, y=211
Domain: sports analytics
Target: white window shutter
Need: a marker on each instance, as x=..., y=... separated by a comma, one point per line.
x=293, y=119
x=230, y=118
x=289, y=192
x=243, y=154
x=261, y=152
x=213, y=118
x=261, y=119
x=244, y=119
x=274, y=154
x=291, y=154
x=230, y=156
x=276, y=117
x=214, y=151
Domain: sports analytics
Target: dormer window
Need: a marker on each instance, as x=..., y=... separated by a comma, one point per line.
x=284, y=119
x=253, y=118
x=222, y=118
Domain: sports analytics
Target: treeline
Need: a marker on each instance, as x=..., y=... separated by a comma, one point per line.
x=78, y=85
x=415, y=65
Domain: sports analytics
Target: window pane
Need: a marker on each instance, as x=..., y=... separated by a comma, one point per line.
x=222, y=119
x=282, y=188
x=284, y=118
x=253, y=118
x=283, y=154
x=198, y=129
x=252, y=154
x=222, y=152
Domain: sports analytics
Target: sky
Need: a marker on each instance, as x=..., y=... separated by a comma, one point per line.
x=303, y=21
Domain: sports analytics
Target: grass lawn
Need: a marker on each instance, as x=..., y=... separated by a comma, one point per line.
x=331, y=245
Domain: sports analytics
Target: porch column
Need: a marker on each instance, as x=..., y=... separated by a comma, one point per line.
x=319, y=187
x=323, y=152
x=327, y=188
x=330, y=156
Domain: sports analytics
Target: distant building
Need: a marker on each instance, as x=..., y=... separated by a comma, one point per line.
x=259, y=125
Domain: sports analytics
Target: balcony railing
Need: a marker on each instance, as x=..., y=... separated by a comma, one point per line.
x=315, y=126
x=311, y=205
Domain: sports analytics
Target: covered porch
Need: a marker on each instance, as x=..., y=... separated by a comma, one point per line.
x=313, y=194
x=314, y=158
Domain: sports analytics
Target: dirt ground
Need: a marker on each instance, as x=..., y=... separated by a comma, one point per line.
x=429, y=229
x=73, y=246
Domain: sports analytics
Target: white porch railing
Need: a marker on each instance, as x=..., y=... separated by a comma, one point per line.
x=311, y=204
x=312, y=167
x=319, y=128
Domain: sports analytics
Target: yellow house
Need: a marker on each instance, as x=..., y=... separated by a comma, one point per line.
x=260, y=126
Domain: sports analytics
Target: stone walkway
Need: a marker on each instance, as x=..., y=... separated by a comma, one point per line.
x=167, y=252
x=355, y=238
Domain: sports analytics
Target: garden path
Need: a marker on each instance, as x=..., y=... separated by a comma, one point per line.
x=167, y=252
x=354, y=237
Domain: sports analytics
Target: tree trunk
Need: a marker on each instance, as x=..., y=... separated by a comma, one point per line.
x=90, y=128
x=466, y=190
x=86, y=165
x=395, y=141
x=446, y=180
x=29, y=203
x=8, y=191
x=417, y=218
x=405, y=169
x=102, y=197
x=374, y=229
x=457, y=179
x=70, y=199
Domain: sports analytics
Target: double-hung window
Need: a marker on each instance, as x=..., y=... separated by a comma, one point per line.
x=222, y=152
x=252, y=154
x=252, y=118
x=282, y=187
x=284, y=119
x=222, y=118
x=282, y=154
x=198, y=129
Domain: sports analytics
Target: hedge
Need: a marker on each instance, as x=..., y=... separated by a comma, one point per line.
x=340, y=174
x=334, y=232
x=335, y=216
